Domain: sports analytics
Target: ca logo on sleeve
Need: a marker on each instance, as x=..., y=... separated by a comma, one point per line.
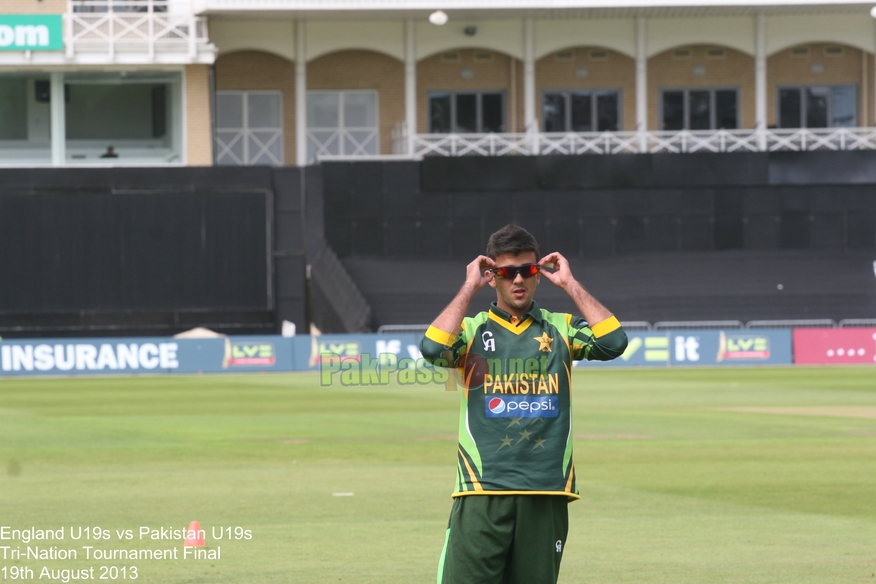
x=489, y=341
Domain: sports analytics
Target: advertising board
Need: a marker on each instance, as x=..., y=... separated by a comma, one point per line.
x=310, y=350
x=333, y=356
x=682, y=348
x=144, y=355
x=31, y=32
x=831, y=346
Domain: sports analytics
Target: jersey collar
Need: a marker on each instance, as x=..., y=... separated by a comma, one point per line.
x=503, y=318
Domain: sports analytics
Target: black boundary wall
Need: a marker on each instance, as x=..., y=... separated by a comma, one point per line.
x=140, y=251
x=603, y=206
x=438, y=208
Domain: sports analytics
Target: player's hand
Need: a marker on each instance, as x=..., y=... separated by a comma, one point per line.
x=561, y=275
x=477, y=274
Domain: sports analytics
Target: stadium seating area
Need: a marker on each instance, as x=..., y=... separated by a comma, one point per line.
x=733, y=285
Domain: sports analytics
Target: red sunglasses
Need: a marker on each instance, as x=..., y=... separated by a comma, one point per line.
x=510, y=272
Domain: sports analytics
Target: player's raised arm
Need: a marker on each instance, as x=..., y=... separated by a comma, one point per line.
x=608, y=340
x=444, y=329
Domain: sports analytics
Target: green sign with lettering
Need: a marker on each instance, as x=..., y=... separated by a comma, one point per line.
x=22, y=32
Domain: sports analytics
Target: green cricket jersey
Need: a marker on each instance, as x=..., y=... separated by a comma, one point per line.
x=515, y=429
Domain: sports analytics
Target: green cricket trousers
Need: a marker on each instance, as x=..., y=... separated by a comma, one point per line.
x=504, y=539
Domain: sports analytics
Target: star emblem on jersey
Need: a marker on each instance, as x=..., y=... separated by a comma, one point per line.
x=524, y=436
x=514, y=422
x=508, y=442
x=544, y=342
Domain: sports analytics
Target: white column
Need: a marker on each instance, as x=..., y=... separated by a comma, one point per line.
x=512, y=97
x=193, y=35
x=530, y=122
x=411, y=83
x=300, y=93
x=59, y=121
x=865, y=91
x=642, y=83
x=760, y=81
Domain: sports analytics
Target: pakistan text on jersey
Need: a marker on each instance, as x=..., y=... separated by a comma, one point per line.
x=522, y=383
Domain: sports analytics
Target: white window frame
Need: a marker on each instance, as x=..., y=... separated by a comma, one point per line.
x=84, y=153
x=87, y=152
x=246, y=133
x=341, y=133
x=593, y=91
x=29, y=150
x=830, y=87
x=713, y=106
x=479, y=115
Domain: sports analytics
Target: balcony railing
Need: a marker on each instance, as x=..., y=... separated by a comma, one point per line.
x=685, y=141
x=243, y=147
x=342, y=142
x=150, y=30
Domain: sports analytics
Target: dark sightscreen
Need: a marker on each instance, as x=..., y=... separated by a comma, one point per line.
x=133, y=251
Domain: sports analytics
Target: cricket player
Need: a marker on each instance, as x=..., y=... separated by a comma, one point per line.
x=515, y=474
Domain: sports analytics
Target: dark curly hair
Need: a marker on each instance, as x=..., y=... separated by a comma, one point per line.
x=511, y=239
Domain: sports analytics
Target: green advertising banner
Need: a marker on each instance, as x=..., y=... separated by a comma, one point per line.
x=22, y=32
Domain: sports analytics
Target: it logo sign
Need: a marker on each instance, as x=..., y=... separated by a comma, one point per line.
x=687, y=349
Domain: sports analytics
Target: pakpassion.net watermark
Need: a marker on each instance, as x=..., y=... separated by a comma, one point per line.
x=514, y=376
x=384, y=369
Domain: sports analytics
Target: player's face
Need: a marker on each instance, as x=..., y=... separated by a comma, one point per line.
x=515, y=295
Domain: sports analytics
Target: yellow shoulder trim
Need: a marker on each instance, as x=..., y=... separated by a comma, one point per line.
x=439, y=336
x=552, y=493
x=507, y=325
x=600, y=329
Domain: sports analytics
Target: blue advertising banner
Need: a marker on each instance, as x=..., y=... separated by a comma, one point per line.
x=369, y=359
x=731, y=347
x=144, y=355
x=644, y=349
x=354, y=359
x=703, y=347
x=309, y=350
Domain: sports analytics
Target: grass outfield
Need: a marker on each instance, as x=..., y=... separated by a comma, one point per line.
x=701, y=476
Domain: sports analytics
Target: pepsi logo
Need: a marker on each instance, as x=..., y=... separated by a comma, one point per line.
x=496, y=405
x=522, y=406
